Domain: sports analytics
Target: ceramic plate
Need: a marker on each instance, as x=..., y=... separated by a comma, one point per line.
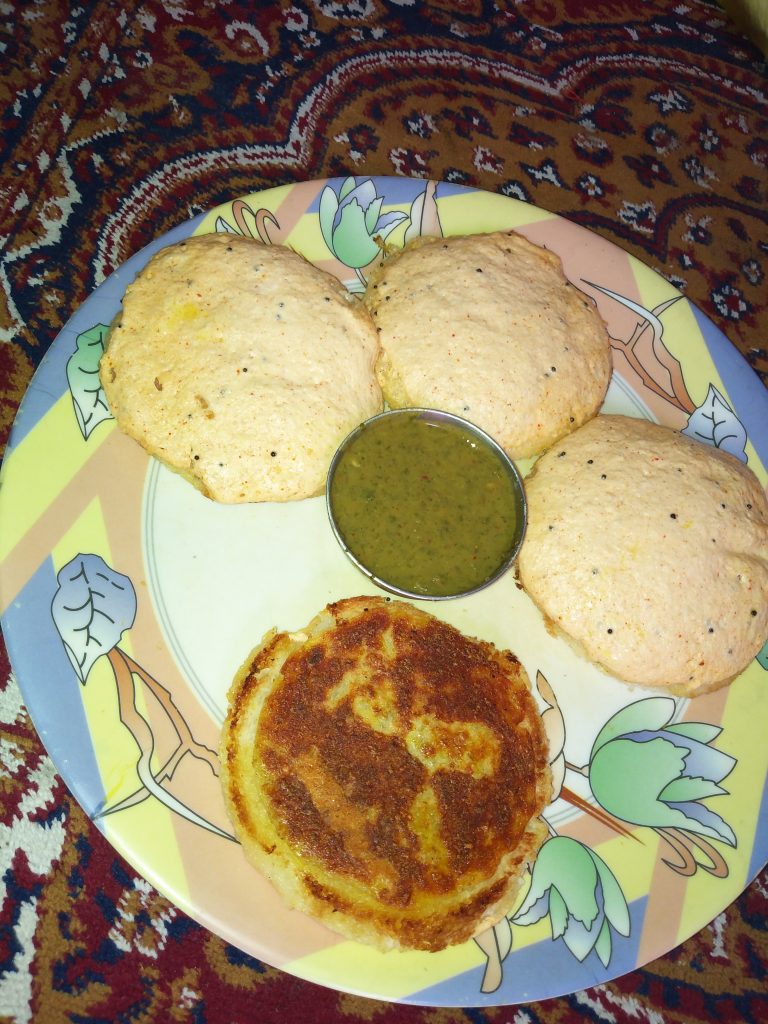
x=129, y=600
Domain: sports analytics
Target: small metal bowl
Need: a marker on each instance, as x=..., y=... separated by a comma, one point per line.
x=376, y=495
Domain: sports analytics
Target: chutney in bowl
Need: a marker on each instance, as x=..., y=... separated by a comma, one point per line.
x=426, y=504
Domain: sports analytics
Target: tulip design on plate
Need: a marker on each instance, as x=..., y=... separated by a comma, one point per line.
x=92, y=608
x=570, y=882
x=579, y=892
x=575, y=888
x=644, y=771
x=355, y=229
x=648, y=771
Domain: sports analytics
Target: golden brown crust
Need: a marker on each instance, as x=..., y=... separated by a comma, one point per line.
x=387, y=773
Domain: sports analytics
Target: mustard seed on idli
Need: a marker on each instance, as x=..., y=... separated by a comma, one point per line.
x=241, y=366
x=488, y=327
x=649, y=551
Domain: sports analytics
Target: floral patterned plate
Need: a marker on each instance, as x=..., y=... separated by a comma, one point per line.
x=129, y=600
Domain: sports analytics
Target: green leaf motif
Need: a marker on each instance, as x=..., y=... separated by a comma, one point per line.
x=558, y=913
x=353, y=226
x=702, y=732
x=603, y=946
x=372, y=214
x=690, y=789
x=565, y=864
x=83, y=378
x=614, y=903
x=329, y=204
x=580, y=940
x=627, y=777
x=346, y=188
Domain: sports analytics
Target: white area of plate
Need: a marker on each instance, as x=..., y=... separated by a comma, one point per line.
x=221, y=576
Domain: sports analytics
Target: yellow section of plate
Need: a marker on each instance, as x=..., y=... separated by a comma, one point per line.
x=307, y=238
x=633, y=861
x=146, y=830
x=390, y=975
x=476, y=212
x=40, y=467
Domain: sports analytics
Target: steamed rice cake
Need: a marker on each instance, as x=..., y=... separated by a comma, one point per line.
x=241, y=366
x=488, y=327
x=648, y=550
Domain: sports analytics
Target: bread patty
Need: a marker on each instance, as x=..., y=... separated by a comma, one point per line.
x=241, y=366
x=386, y=773
x=649, y=550
x=488, y=327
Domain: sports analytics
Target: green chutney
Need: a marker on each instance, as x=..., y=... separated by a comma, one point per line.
x=425, y=504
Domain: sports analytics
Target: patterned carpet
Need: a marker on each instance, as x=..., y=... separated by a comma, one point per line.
x=647, y=123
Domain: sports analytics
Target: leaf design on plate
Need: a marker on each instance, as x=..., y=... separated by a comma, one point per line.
x=654, y=364
x=249, y=223
x=83, y=378
x=651, y=713
x=554, y=726
x=425, y=218
x=128, y=677
x=715, y=422
x=92, y=608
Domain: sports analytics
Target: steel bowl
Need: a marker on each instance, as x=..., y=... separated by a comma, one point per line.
x=481, y=438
